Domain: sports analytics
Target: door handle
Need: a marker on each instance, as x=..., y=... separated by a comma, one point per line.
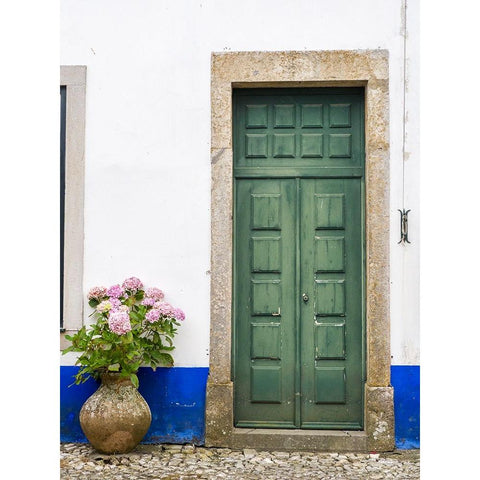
x=305, y=297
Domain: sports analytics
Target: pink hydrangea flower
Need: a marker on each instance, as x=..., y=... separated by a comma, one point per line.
x=133, y=284
x=148, y=301
x=119, y=322
x=154, y=293
x=97, y=292
x=121, y=308
x=115, y=302
x=104, y=306
x=178, y=314
x=164, y=308
x=153, y=315
x=115, y=291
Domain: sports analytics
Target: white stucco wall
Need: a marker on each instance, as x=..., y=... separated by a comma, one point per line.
x=147, y=153
x=405, y=259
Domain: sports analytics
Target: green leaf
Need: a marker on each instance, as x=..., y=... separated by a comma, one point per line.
x=167, y=359
x=135, y=366
x=114, y=368
x=134, y=380
x=132, y=355
x=135, y=316
x=93, y=302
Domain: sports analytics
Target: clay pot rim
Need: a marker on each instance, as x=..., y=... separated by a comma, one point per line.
x=108, y=378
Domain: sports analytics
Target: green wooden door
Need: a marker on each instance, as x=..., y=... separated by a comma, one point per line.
x=298, y=348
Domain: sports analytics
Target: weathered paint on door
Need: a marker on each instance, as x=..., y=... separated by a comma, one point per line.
x=298, y=348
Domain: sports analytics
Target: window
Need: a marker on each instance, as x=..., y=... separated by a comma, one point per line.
x=72, y=143
x=63, y=108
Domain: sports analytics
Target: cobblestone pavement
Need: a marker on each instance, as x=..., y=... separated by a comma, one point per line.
x=187, y=462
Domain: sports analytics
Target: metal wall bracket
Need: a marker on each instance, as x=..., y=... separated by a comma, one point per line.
x=404, y=226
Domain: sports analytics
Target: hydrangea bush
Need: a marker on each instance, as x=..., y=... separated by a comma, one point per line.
x=134, y=327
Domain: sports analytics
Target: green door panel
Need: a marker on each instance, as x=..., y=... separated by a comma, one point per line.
x=311, y=132
x=331, y=321
x=265, y=328
x=298, y=340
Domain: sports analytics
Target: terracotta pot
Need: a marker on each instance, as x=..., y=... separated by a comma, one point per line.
x=116, y=417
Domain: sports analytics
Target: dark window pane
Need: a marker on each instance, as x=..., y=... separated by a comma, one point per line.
x=63, y=109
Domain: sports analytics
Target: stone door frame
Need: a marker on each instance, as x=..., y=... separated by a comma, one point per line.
x=336, y=68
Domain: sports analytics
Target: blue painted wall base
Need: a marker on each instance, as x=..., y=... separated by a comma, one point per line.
x=176, y=397
x=406, y=391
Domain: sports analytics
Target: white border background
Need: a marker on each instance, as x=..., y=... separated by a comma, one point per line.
x=29, y=114
x=449, y=260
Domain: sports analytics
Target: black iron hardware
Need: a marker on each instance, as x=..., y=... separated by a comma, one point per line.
x=404, y=226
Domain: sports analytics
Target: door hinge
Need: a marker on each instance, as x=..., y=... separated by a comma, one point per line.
x=404, y=226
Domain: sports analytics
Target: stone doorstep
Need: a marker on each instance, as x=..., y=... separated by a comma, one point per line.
x=299, y=440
